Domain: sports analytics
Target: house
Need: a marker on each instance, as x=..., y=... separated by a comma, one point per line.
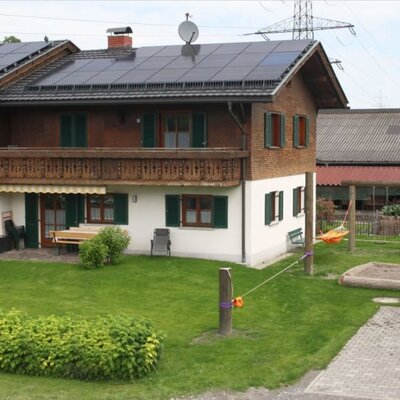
x=359, y=145
x=211, y=141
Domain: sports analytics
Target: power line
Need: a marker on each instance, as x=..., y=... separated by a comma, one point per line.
x=115, y=22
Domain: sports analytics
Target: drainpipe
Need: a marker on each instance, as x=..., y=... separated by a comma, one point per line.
x=242, y=178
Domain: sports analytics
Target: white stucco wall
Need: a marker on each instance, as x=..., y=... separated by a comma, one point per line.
x=265, y=242
x=148, y=213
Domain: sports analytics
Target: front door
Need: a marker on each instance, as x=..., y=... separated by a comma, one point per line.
x=52, y=216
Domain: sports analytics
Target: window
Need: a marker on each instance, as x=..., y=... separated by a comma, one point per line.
x=177, y=131
x=111, y=208
x=274, y=130
x=298, y=201
x=301, y=131
x=273, y=207
x=196, y=210
x=73, y=130
x=174, y=130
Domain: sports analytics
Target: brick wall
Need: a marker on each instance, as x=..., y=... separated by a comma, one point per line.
x=111, y=126
x=264, y=163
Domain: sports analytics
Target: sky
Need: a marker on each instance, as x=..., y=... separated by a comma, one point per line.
x=370, y=59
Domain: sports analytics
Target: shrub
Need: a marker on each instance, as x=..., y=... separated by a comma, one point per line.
x=391, y=210
x=325, y=209
x=110, y=347
x=116, y=240
x=93, y=252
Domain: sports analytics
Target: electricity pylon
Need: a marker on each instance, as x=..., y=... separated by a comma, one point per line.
x=303, y=24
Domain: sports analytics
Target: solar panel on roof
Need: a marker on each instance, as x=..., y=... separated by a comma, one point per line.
x=125, y=65
x=170, y=51
x=185, y=61
x=76, y=78
x=266, y=73
x=232, y=74
x=168, y=75
x=7, y=48
x=247, y=60
x=51, y=79
x=74, y=65
x=148, y=51
x=30, y=47
x=261, y=47
x=155, y=62
x=231, y=48
x=217, y=60
x=97, y=65
x=199, y=74
x=137, y=76
x=9, y=59
x=292, y=45
x=105, y=77
x=282, y=58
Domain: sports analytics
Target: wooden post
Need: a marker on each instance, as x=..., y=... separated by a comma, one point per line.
x=309, y=234
x=352, y=218
x=225, y=298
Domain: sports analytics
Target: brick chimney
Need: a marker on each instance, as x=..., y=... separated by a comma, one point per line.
x=119, y=38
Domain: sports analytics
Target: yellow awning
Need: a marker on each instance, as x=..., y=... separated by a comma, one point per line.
x=67, y=189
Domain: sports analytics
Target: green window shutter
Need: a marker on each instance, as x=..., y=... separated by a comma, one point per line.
x=80, y=131
x=71, y=210
x=268, y=208
x=295, y=130
x=220, y=212
x=280, y=206
x=307, y=131
x=121, y=209
x=199, y=137
x=295, y=202
x=66, y=131
x=282, y=133
x=81, y=208
x=172, y=210
x=149, y=130
x=31, y=220
x=267, y=130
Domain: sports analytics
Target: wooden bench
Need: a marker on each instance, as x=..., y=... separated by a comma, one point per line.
x=296, y=236
x=72, y=236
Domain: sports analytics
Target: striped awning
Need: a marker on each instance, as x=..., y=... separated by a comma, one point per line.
x=66, y=189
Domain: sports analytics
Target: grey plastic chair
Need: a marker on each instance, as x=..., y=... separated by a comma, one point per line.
x=161, y=243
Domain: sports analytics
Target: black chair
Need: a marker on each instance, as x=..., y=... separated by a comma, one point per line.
x=161, y=242
x=15, y=233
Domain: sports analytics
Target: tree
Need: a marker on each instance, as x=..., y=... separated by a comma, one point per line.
x=11, y=39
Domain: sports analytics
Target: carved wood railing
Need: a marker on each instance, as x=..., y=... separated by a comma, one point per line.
x=207, y=167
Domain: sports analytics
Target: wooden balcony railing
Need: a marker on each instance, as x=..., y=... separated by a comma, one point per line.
x=206, y=167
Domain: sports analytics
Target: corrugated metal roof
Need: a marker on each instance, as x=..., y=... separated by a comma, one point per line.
x=358, y=136
x=334, y=175
x=252, y=69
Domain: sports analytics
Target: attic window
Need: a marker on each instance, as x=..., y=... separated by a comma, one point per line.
x=393, y=130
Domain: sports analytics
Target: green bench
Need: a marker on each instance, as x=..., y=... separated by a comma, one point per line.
x=296, y=236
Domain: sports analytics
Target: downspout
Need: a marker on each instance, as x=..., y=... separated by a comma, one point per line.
x=242, y=177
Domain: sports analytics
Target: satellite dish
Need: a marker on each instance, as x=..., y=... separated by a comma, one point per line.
x=188, y=31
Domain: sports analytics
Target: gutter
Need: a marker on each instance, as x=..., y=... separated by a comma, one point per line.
x=242, y=178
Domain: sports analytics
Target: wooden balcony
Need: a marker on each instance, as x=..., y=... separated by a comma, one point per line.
x=129, y=166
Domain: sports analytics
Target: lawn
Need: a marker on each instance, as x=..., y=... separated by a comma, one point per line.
x=291, y=325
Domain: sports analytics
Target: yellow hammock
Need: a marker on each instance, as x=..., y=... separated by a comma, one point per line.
x=335, y=235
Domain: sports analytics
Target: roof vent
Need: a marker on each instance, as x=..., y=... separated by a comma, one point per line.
x=119, y=37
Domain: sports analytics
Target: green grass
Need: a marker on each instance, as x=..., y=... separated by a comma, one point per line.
x=291, y=325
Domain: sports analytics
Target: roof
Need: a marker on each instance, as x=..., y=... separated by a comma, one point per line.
x=364, y=137
x=14, y=54
x=251, y=70
x=335, y=175
x=19, y=59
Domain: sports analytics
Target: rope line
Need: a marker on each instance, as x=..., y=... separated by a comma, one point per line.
x=308, y=254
